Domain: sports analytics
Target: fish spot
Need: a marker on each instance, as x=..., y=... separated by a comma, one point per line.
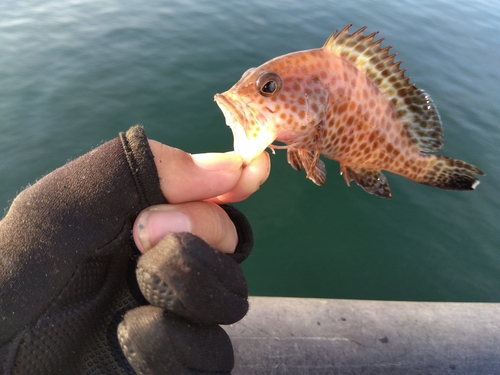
x=402, y=92
x=380, y=66
x=302, y=114
x=402, y=112
x=342, y=108
x=366, y=94
x=360, y=48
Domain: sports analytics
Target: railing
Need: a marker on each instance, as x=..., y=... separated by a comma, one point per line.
x=323, y=336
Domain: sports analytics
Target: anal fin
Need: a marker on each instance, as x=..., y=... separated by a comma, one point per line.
x=371, y=180
x=314, y=167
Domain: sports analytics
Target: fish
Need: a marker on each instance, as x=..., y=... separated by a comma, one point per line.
x=351, y=102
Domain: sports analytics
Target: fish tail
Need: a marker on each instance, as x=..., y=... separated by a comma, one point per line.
x=451, y=174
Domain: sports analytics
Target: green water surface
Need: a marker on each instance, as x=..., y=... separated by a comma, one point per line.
x=75, y=73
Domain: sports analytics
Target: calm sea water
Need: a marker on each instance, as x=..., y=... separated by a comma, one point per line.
x=75, y=73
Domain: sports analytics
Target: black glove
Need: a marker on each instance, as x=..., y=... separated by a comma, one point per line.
x=69, y=296
x=191, y=288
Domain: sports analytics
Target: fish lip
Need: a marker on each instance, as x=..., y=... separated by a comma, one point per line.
x=237, y=113
x=228, y=107
x=234, y=109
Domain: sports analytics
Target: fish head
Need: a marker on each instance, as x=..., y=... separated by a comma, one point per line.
x=280, y=100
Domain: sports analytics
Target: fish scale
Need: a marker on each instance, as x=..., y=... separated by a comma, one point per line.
x=350, y=102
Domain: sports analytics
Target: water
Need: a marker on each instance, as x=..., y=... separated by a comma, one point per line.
x=75, y=73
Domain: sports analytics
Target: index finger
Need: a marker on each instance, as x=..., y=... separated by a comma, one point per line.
x=217, y=177
x=252, y=177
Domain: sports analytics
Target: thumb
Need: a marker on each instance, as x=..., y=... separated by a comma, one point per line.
x=203, y=219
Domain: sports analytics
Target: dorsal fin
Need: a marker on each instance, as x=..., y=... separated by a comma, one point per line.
x=413, y=106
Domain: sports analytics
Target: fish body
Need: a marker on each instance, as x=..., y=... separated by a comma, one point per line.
x=350, y=102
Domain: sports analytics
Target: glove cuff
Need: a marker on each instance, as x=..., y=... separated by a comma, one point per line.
x=141, y=163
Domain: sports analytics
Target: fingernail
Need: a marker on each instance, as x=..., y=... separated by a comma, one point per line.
x=217, y=161
x=158, y=221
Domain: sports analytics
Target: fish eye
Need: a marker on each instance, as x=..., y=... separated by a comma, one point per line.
x=268, y=83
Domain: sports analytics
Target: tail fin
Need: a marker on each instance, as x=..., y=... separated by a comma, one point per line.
x=452, y=174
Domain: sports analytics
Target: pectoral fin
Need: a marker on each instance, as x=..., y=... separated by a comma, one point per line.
x=314, y=167
x=371, y=180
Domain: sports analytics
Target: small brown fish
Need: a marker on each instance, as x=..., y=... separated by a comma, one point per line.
x=350, y=102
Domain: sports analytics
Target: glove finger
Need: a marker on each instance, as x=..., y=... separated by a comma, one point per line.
x=244, y=231
x=184, y=275
x=155, y=342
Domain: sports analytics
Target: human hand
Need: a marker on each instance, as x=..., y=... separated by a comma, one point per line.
x=68, y=267
x=195, y=185
x=191, y=286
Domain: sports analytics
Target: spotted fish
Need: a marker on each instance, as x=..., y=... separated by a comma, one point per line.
x=350, y=102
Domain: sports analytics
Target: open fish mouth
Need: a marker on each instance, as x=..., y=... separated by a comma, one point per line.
x=239, y=117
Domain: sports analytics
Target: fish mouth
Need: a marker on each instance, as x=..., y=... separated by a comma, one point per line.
x=248, y=144
x=232, y=112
